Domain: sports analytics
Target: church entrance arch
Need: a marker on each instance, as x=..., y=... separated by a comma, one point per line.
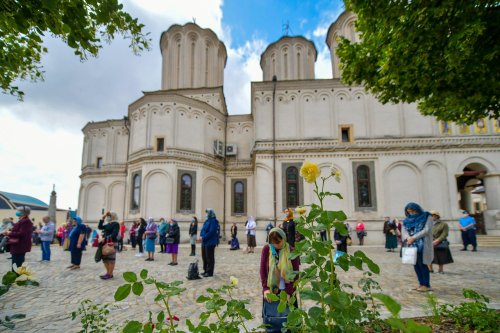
x=472, y=194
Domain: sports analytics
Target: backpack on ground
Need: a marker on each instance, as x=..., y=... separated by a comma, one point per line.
x=193, y=273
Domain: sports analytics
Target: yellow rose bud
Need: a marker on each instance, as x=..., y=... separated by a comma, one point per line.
x=310, y=171
x=234, y=281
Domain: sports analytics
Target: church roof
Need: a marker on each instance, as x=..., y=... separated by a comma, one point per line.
x=20, y=199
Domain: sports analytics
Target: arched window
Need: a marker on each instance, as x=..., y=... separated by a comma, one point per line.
x=136, y=191
x=186, y=192
x=292, y=187
x=363, y=181
x=239, y=197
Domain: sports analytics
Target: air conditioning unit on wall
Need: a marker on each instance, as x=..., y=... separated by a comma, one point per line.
x=231, y=150
x=218, y=148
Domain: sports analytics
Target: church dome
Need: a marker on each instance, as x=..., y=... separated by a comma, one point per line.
x=344, y=26
x=289, y=58
x=192, y=57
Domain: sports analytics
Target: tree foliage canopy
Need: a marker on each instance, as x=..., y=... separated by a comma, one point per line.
x=82, y=24
x=443, y=55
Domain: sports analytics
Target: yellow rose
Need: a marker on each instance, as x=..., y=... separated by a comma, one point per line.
x=24, y=273
x=300, y=210
x=310, y=171
x=234, y=281
x=334, y=172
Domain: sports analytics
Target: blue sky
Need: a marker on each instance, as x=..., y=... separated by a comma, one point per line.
x=41, y=138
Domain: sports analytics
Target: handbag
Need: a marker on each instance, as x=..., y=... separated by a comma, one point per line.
x=443, y=245
x=348, y=241
x=12, y=240
x=169, y=240
x=108, y=249
x=273, y=319
x=409, y=255
x=98, y=252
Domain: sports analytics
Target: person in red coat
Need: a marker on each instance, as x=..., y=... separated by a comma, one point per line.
x=20, y=236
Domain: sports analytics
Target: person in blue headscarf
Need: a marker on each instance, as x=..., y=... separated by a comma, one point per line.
x=417, y=231
x=77, y=242
x=209, y=237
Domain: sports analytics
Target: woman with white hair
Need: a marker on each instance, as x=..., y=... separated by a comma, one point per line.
x=110, y=231
x=150, y=236
x=20, y=236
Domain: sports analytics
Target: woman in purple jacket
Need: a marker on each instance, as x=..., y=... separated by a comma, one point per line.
x=20, y=236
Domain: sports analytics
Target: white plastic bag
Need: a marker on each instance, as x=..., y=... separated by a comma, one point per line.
x=409, y=255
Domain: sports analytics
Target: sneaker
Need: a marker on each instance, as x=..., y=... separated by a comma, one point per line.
x=104, y=276
x=107, y=277
x=424, y=289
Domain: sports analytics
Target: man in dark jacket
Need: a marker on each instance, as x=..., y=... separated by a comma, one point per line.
x=209, y=236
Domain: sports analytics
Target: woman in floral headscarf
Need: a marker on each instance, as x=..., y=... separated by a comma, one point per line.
x=417, y=231
x=276, y=267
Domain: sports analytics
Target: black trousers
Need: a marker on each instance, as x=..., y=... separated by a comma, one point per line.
x=133, y=240
x=17, y=259
x=120, y=245
x=139, y=242
x=76, y=256
x=208, y=257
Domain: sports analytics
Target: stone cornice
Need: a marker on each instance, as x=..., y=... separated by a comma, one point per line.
x=239, y=118
x=173, y=154
x=448, y=143
x=106, y=171
x=103, y=124
x=177, y=96
x=300, y=85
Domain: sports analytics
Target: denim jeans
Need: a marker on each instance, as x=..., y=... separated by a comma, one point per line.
x=423, y=274
x=46, y=250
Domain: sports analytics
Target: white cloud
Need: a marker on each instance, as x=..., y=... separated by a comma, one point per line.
x=243, y=67
x=321, y=31
x=34, y=158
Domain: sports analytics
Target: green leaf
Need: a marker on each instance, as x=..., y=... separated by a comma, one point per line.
x=391, y=305
x=122, y=292
x=282, y=305
x=4, y=289
x=137, y=288
x=17, y=316
x=202, y=299
x=148, y=328
x=310, y=294
x=130, y=277
x=273, y=297
x=161, y=316
x=417, y=328
x=132, y=327
x=144, y=274
x=9, y=278
x=160, y=297
x=321, y=248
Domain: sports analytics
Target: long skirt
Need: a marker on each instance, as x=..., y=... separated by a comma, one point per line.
x=442, y=257
x=391, y=242
x=150, y=244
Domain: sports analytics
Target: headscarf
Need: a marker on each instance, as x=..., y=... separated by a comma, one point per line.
x=416, y=222
x=283, y=268
x=79, y=222
x=210, y=213
x=289, y=214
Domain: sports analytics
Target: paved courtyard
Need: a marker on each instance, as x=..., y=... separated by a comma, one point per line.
x=48, y=307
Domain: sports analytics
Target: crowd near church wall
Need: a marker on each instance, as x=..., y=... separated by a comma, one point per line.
x=178, y=151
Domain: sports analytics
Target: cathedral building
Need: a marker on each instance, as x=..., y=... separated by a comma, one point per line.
x=178, y=150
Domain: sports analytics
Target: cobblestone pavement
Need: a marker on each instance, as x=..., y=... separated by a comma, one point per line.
x=48, y=307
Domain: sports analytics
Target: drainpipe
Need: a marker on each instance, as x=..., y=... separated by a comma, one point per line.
x=274, y=147
x=125, y=118
x=224, y=191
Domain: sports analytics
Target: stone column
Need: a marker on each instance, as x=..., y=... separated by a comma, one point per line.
x=466, y=200
x=52, y=205
x=492, y=192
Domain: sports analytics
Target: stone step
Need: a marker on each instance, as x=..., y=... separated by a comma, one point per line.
x=485, y=240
